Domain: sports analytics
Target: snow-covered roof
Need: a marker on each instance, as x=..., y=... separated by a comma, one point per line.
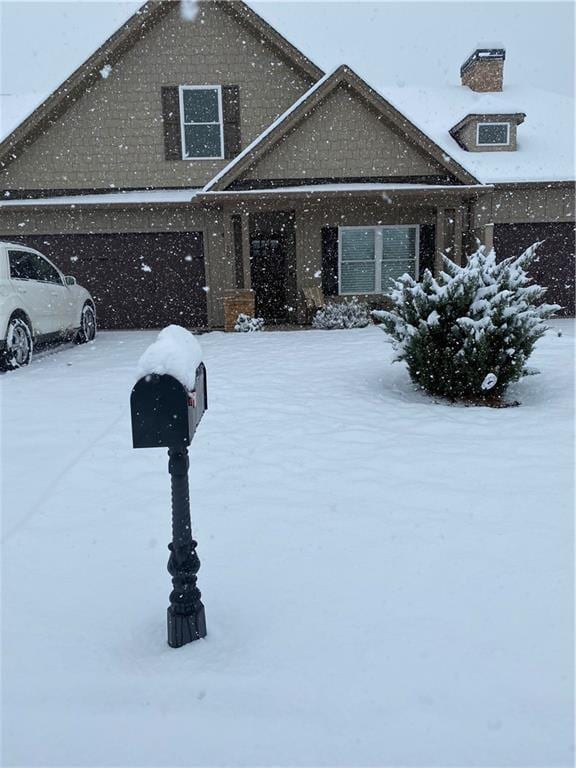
x=545, y=150
x=133, y=197
x=344, y=187
x=267, y=131
x=545, y=140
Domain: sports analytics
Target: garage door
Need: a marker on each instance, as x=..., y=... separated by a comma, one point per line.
x=554, y=265
x=144, y=280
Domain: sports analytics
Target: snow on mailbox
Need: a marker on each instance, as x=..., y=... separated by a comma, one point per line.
x=164, y=412
x=167, y=403
x=170, y=397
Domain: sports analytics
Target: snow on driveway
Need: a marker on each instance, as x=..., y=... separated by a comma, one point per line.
x=387, y=581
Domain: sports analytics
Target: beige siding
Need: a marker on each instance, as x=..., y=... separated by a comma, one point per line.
x=114, y=136
x=524, y=205
x=41, y=220
x=343, y=137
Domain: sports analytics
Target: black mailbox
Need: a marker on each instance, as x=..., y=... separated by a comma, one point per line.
x=164, y=413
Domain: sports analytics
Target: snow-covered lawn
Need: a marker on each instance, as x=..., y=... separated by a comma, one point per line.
x=387, y=581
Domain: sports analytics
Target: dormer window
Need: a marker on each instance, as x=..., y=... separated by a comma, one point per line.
x=488, y=132
x=202, y=131
x=493, y=134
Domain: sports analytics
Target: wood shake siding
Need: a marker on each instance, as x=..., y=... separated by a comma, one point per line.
x=114, y=135
x=524, y=204
x=343, y=137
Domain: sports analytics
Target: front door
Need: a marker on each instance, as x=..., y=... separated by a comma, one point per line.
x=268, y=266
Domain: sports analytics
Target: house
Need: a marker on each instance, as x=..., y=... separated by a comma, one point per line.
x=185, y=159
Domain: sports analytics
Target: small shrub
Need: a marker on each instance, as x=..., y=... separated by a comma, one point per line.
x=467, y=334
x=247, y=324
x=350, y=313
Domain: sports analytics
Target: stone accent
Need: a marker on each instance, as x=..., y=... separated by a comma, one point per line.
x=483, y=71
x=237, y=301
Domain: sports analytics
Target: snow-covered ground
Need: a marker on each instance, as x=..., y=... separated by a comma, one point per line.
x=387, y=581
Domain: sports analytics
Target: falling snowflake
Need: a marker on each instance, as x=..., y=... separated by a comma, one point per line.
x=145, y=268
x=318, y=273
x=105, y=71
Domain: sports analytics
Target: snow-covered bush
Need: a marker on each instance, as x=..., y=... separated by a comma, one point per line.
x=350, y=313
x=247, y=324
x=468, y=333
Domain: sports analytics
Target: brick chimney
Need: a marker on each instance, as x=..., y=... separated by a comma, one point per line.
x=483, y=71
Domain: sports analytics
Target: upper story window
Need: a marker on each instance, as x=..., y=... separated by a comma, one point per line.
x=202, y=129
x=371, y=258
x=493, y=134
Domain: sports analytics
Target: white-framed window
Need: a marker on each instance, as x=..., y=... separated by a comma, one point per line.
x=493, y=134
x=371, y=258
x=201, y=124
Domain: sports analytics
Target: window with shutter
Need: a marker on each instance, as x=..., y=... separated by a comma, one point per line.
x=371, y=258
x=201, y=122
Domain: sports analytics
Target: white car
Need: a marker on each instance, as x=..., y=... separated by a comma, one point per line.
x=38, y=304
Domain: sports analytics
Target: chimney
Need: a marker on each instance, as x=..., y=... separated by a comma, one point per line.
x=483, y=71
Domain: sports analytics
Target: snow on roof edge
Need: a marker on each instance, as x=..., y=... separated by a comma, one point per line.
x=132, y=197
x=280, y=119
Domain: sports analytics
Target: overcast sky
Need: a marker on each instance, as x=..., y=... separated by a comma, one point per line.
x=411, y=43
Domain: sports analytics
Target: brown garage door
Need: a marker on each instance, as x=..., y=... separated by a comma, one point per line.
x=144, y=280
x=554, y=265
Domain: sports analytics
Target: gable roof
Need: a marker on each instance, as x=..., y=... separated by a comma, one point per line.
x=308, y=102
x=112, y=50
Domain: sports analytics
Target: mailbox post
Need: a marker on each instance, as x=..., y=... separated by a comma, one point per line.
x=165, y=414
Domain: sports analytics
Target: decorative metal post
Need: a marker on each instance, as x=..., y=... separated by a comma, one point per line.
x=166, y=413
x=186, y=617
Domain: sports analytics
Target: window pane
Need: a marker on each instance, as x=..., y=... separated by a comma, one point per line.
x=21, y=266
x=200, y=106
x=357, y=276
x=202, y=140
x=357, y=244
x=46, y=272
x=398, y=255
x=496, y=133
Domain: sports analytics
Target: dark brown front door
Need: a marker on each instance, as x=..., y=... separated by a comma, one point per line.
x=141, y=280
x=268, y=260
x=272, y=263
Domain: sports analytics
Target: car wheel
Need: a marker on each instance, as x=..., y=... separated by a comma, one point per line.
x=19, y=345
x=87, y=330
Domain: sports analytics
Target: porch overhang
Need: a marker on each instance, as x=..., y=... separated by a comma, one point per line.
x=431, y=193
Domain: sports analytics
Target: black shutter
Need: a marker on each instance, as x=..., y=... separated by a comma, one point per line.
x=231, y=116
x=171, y=122
x=427, y=248
x=330, y=261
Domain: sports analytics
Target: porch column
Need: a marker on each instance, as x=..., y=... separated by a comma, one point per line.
x=481, y=220
x=246, y=250
x=440, y=239
x=458, y=232
x=308, y=255
x=222, y=262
